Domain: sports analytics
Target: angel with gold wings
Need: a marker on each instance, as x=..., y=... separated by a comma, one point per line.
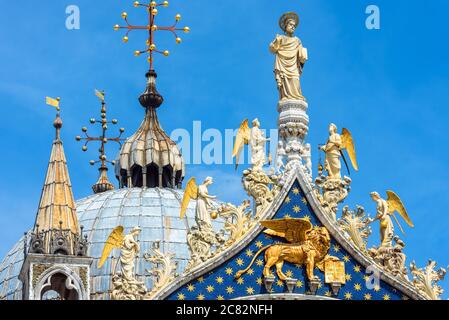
x=307, y=246
x=256, y=140
x=386, y=210
x=202, y=197
x=333, y=149
x=129, y=250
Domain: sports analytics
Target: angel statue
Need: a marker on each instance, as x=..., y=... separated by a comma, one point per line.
x=333, y=149
x=290, y=58
x=202, y=197
x=202, y=236
x=386, y=210
x=257, y=141
x=129, y=250
x=126, y=286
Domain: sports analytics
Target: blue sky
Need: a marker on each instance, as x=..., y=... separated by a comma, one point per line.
x=388, y=86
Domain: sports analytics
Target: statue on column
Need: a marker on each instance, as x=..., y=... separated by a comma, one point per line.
x=290, y=59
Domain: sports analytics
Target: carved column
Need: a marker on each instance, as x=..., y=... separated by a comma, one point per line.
x=293, y=127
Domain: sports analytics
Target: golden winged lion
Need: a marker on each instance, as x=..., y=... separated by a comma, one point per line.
x=307, y=246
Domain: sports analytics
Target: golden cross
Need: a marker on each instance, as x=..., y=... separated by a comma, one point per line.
x=151, y=27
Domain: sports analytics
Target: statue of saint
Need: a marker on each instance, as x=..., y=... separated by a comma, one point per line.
x=130, y=250
x=257, y=144
x=290, y=59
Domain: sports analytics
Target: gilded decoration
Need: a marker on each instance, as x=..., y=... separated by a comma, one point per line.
x=426, y=279
x=356, y=225
x=163, y=268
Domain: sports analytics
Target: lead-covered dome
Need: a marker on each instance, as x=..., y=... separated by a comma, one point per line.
x=155, y=211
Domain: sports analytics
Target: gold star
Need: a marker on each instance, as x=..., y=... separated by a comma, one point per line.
x=348, y=295
x=357, y=287
x=219, y=280
x=280, y=283
x=348, y=277
x=287, y=216
x=366, y=278
x=181, y=296
x=320, y=285
x=200, y=297
x=328, y=293
x=304, y=200
x=376, y=288
x=201, y=279
x=240, y=262
x=346, y=258
x=210, y=288
x=307, y=218
x=249, y=253
x=228, y=271
x=230, y=290
x=259, y=262
x=259, y=244
x=386, y=297
x=336, y=248
x=259, y=281
x=297, y=209
x=220, y=297
x=367, y=296
x=289, y=273
x=249, y=290
x=296, y=191
x=250, y=272
x=190, y=288
x=357, y=268
x=287, y=200
x=299, y=284
x=240, y=281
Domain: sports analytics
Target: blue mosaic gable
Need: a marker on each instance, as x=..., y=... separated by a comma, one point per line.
x=220, y=284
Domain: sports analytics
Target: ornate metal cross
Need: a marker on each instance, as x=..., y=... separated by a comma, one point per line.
x=103, y=139
x=151, y=27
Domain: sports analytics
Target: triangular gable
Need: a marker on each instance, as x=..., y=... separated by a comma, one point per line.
x=297, y=200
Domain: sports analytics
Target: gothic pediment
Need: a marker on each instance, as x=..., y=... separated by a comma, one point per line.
x=216, y=278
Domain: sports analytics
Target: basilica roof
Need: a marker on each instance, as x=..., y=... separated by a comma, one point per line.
x=155, y=210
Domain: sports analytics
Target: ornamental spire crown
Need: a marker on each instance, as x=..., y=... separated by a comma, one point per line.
x=149, y=158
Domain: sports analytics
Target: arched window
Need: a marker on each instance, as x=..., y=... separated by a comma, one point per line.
x=59, y=287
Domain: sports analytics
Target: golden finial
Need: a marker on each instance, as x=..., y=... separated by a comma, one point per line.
x=151, y=27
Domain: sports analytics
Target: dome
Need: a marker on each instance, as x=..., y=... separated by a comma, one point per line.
x=155, y=210
x=149, y=158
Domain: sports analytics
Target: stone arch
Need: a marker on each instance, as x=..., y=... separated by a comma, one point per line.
x=64, y=281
